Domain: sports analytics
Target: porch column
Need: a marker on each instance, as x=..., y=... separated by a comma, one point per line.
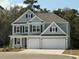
x=13, y=42
x=13, y=29
x=28, y=28
x=10, y=43
x=21, y=42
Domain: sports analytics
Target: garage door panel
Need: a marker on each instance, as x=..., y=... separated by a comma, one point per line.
x=53, y=43
x=33, y=43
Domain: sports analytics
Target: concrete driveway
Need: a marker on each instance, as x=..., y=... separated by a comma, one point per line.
x=35, y=54
x=42, y=51
x=12, y=55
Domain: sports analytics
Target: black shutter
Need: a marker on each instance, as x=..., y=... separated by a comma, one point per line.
x=41, y=28
x=15, y=40
x=14, y=29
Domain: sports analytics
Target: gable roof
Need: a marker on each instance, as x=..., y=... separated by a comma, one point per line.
x=47, y=17
x=50, y=17
x=22, y=19
x=47, y=29
x=36, y=19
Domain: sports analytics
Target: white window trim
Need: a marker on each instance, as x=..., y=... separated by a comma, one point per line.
x=54, y=30
x=25, y=29
x=36, y=29
x=18, y=29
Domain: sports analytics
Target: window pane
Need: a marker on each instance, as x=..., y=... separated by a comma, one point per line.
x=21, y=29
x=56, y=29
x=31, y=15
x=50, y=29
x=18, y=41
x=26, y=29
x=26, y=15
x=18, y=29
x=34, y=28
x=38, y=28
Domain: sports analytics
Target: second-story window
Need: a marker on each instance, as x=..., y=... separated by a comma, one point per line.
x=36, y=28
x=26, y=29
x=18, y=29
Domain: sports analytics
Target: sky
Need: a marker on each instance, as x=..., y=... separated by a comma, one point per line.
x=49, y=4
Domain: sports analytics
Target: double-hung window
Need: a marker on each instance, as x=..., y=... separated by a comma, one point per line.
x=17, y=29
x=26, y=29
x=36, y=28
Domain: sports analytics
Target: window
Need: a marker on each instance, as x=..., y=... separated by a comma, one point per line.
x=17, y=40
x=53, y=29
x=26, y=29
x=18, y=29
x=34, y=28
x=50, y=29
x=26, y=15
x=21, y=29
x=38, y=28
x=56, y=29
x=29, y=15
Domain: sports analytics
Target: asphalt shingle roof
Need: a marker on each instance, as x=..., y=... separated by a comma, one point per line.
x=50, y=17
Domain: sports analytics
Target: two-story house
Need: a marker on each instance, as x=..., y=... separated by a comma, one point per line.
x=40, y=31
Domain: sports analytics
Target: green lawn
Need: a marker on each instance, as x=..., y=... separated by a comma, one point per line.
x=72, y=52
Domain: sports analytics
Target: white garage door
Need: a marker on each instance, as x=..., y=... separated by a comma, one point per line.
x=33, y=43
x=54, y=43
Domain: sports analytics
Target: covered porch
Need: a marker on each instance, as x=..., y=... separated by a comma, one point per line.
x=18, y=41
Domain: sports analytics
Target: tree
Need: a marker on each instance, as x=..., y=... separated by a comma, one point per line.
x=31, y=4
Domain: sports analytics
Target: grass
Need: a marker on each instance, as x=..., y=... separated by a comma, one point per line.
x=72, y=52
x=10, y=50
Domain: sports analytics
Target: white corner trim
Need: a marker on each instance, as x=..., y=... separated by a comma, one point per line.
x=50, y=26
x=22, y=16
